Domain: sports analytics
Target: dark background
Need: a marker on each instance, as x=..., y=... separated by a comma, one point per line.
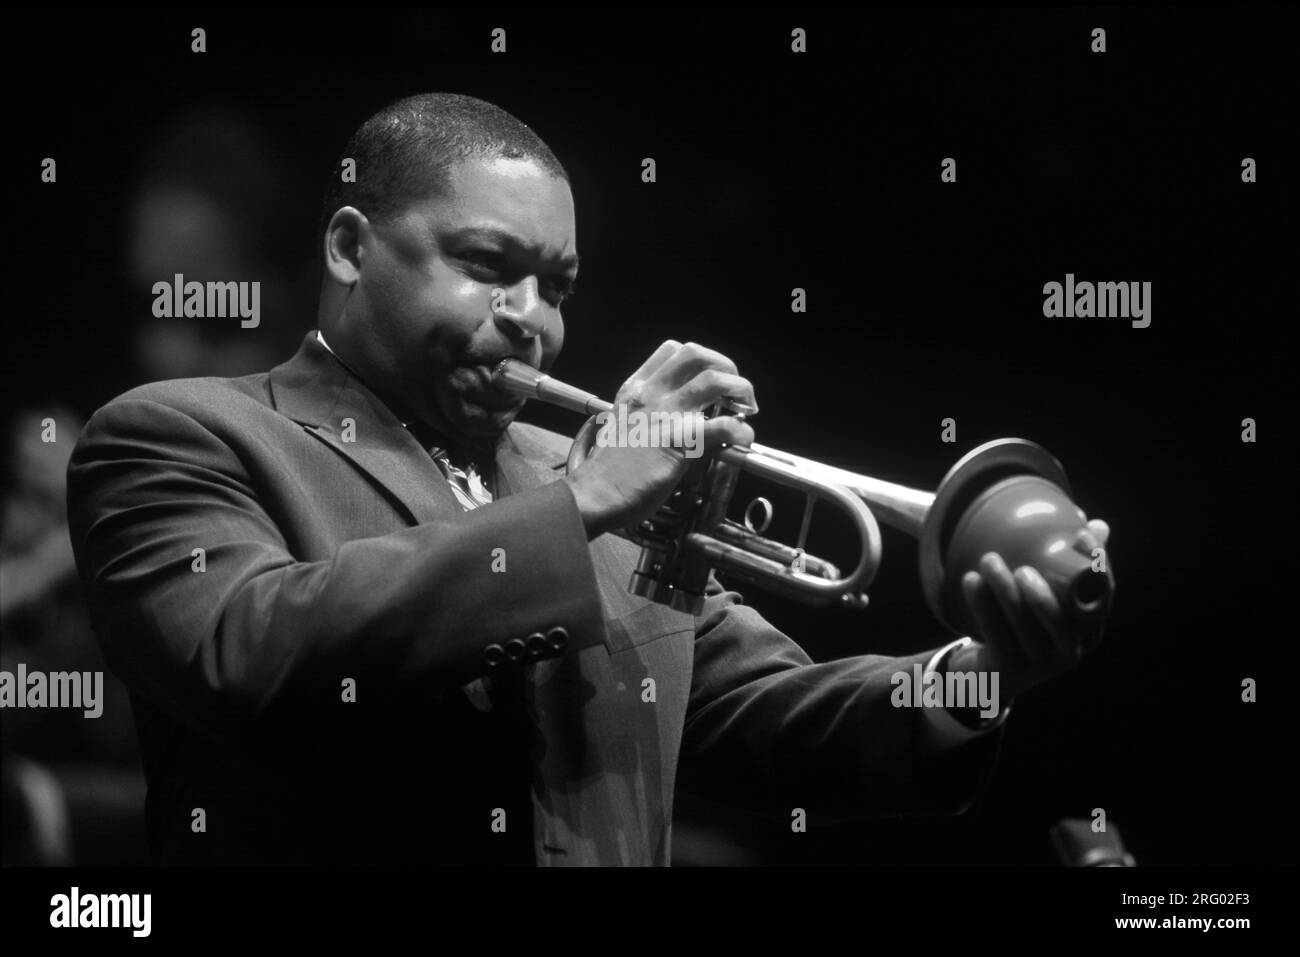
x=821, y=171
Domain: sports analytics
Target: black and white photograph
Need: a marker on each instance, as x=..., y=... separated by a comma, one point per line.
x=838, y=443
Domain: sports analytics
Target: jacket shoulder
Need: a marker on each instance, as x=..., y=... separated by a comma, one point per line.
x=201, y=395
x=224, y=408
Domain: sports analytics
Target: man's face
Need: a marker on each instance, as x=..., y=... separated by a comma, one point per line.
x=454, y=284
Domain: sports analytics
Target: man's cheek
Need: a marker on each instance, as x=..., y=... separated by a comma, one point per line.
x=468, y=296
x=552, y=342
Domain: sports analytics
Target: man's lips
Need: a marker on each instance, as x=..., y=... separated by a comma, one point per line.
x=494, y=397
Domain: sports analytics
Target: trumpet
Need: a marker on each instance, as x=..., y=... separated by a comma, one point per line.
x=1008, y=495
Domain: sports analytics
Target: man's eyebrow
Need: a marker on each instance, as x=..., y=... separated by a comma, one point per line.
x=507, y=239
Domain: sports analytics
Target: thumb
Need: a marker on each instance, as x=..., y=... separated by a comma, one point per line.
x=728, y=429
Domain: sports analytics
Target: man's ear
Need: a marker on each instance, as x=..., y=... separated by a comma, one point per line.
x=343, y=245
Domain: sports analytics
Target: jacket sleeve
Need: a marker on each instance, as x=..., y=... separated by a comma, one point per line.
x=148, y=484
x=768, y=726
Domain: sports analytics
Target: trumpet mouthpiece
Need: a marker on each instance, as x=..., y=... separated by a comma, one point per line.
x=519, y=378
x=516, y=377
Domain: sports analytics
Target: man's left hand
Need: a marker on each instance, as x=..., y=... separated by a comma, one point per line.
x=1023, y=633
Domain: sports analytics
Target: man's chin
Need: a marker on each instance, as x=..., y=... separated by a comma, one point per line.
x=479, y=423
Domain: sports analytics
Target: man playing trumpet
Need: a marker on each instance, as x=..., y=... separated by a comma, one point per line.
x=367, y=617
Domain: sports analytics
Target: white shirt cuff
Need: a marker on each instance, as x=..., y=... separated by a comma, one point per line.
x=942, y=729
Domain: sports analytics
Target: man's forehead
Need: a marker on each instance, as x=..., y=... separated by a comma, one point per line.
x=503, y=198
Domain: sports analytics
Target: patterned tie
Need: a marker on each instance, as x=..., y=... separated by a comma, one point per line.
x=467, y=483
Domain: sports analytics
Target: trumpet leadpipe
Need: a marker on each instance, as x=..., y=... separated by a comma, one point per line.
x=898, y=506
x=520, y=378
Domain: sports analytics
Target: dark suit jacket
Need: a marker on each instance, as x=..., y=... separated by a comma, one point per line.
x=330, y=556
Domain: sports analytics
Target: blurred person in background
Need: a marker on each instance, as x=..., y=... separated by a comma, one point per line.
x=216, y=203
x=211, y=197
x=72, y=785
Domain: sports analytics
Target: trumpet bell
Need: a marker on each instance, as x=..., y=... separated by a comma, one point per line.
x=1009, y=496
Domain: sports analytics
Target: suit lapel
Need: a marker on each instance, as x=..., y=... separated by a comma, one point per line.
x=317, y=391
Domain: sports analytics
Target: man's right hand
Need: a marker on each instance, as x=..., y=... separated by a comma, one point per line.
x=616, y=487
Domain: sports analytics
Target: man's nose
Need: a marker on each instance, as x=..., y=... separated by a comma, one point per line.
x=520, y=312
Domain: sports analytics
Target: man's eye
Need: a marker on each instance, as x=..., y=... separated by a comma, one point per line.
x=560, y=290
x=483, y=260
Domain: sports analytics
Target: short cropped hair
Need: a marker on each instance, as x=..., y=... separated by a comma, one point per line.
x=405, y=152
